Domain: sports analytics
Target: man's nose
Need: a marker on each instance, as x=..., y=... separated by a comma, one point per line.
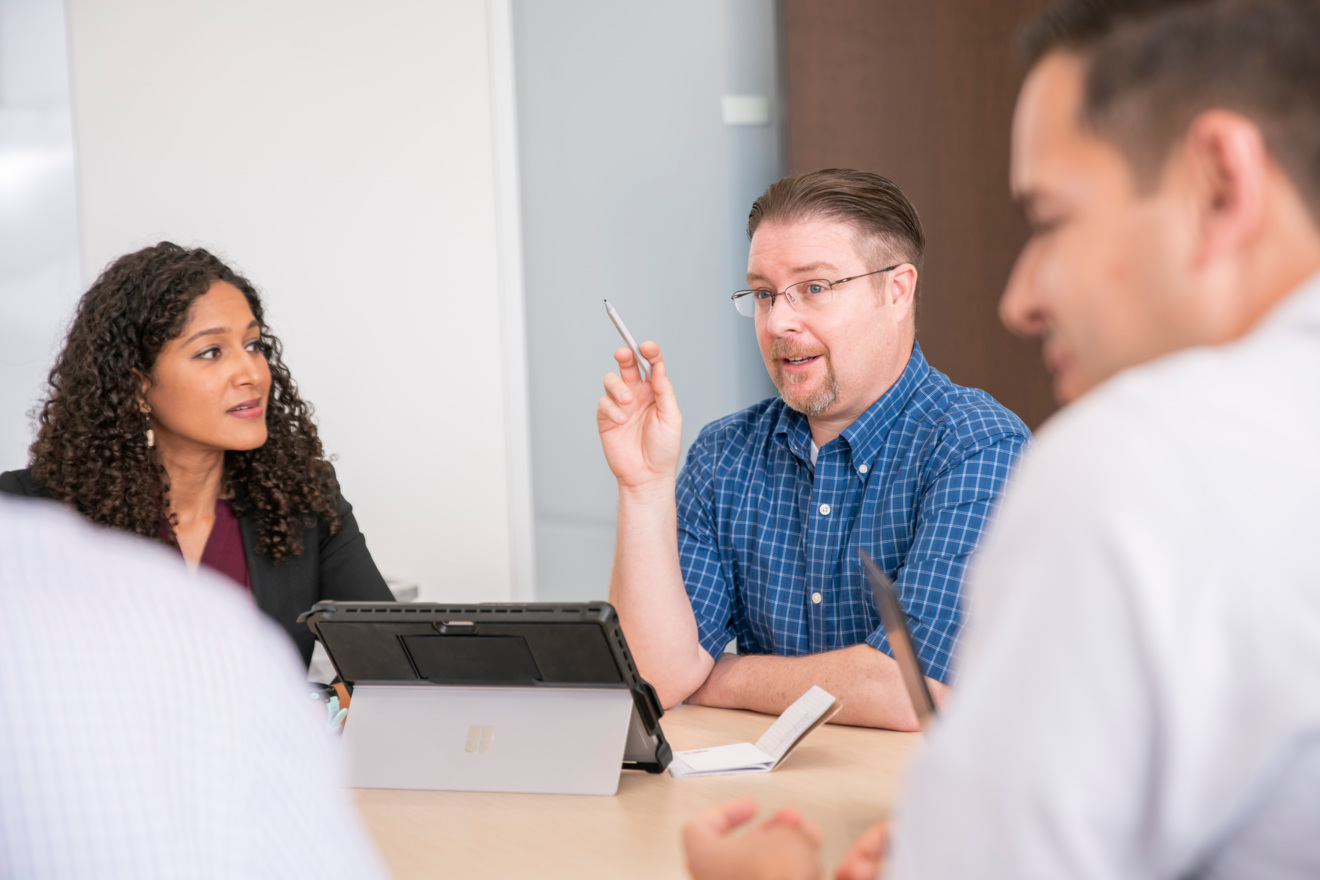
x=783, y=316
x=1020, y=308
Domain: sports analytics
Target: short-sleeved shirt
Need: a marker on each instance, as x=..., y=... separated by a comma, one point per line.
x=768, y=540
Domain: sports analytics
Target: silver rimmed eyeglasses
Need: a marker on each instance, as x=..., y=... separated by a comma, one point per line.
x=805, y=296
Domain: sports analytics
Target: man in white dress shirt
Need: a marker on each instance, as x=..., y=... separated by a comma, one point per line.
x=152, y=724
x=1139, y=695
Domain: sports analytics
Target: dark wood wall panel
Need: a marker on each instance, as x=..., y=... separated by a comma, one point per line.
x=922, y=92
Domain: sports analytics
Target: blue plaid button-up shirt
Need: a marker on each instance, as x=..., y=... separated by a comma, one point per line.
x=768, y=541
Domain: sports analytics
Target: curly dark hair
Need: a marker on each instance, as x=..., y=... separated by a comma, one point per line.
x=91, y=450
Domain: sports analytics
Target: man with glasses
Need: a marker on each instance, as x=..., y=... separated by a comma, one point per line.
x=866, y=448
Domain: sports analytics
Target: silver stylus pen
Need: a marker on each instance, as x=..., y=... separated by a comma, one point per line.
x=642, y=363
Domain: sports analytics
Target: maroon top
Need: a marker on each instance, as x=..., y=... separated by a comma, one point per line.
x=224, y=546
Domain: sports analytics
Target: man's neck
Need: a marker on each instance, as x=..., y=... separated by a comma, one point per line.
x=824, y=428
x=1270, y=291
x=827, y=426
x=1285, y=255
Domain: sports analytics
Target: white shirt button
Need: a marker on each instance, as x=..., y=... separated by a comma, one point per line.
x=815, y=598
x=824, y=510
x=861, y=469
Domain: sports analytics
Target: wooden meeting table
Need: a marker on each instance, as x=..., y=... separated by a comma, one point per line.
x=843, y=778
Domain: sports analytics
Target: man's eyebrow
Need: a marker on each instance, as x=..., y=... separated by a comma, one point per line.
x=812, y=267
x=796, y=271
x=212, y=331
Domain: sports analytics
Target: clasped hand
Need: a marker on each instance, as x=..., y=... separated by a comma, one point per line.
x=641, y=428
x=784, y=847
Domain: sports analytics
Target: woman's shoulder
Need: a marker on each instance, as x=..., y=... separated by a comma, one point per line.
x=20, y=483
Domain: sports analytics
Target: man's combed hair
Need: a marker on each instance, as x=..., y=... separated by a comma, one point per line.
x=1153, y=67
x=1077, y=25
x=91, y=450
x=874, y=206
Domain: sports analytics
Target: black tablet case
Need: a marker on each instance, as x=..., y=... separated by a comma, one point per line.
x=488, y=645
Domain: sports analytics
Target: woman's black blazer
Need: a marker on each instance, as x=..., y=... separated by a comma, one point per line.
x=337, y=566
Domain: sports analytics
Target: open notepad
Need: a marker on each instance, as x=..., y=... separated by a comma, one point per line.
x=808, y=712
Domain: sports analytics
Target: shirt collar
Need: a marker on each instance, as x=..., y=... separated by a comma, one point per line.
x=868, y=431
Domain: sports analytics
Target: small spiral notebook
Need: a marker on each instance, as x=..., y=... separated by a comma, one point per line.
x=808, y=712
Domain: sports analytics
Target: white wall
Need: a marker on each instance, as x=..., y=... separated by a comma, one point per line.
x=341, y=156
x=39, y=275
x=634, y=190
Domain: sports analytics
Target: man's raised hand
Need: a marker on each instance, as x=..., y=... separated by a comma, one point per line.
x=641, y=428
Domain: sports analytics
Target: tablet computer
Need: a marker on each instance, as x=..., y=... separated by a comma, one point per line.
x=900, y=641
x=523, y=645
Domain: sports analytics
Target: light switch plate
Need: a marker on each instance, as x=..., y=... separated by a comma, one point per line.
x=745, y=109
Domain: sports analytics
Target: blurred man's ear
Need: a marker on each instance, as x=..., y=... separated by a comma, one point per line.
x=1229, y=165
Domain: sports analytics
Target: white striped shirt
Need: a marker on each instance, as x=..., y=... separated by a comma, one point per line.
x=152, y=724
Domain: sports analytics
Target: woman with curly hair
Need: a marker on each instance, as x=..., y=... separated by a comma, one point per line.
x=171, y=415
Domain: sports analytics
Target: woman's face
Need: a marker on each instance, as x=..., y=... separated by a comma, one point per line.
x=209, y=387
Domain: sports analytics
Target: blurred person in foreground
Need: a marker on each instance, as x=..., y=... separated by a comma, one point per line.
x=172, y=415
x=151, y=727
x=867, y=447
x=1137, y=695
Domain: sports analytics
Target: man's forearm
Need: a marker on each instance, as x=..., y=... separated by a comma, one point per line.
x=646, y=589
x=867, y=682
